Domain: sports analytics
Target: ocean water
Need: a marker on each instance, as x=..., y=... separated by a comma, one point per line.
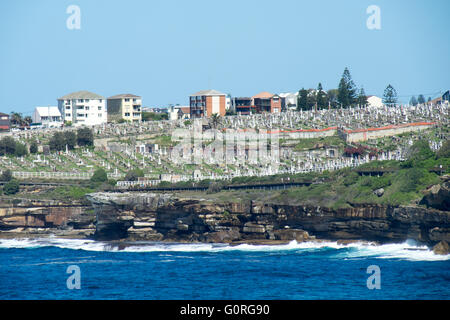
x=37, y=269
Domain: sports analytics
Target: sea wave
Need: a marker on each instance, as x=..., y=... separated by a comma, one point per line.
x=409, y=250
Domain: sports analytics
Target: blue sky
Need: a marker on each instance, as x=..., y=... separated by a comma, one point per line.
x=165, y=50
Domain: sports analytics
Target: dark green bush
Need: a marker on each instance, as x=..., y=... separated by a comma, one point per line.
x=99, y=176
x=6, y=175
x=11, y=187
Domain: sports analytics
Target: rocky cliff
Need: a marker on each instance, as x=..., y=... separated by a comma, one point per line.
x=156, y=216
x=33, y=218
x=169, y=217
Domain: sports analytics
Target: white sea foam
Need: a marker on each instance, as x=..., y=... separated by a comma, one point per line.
x=408, y=250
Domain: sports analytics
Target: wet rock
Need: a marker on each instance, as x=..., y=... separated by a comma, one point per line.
x=223, y=236
x=442, y=248
x=292, y=234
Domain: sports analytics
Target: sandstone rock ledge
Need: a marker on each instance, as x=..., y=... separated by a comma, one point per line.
x=167, y=217
x=41, y=218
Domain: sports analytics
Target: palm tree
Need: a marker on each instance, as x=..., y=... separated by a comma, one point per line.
x=215, y=120
x=28, y=120
x=16, y=118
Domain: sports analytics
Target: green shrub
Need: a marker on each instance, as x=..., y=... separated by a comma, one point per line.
x=70, y=139
x=154, y=116
x=85, y=137
x=33, y=147
x=21, y=150
x=420, y=151
x=11, y=187
x=7, y=146
x=99, y=176
x=351, y=178
x=134, y=175
x=6, y=175
x=444, y=152
x=57, y=142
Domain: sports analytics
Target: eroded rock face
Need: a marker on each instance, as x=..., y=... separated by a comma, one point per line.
x=154, y=216
x=442, y=248
x=116, y=214
x=39, y=217
x=438, y=196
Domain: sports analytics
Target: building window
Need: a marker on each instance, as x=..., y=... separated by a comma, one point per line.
x=99, y=108
x=68, y=115
x=87, y=108
x=100, y=100
x=87, y=100
x=134, y=100
x=99, y=115
x=80, y=100
x=127, y=114
x=127, y=100
x=67, y=107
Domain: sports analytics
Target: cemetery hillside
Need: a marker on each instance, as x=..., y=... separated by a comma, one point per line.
x=348, y=173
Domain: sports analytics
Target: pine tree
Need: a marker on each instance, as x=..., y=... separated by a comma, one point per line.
x=321, y=97
x=347, y=95
x=362, y=98
x=351, y=88
x=390, y=96
x=342, y=96
x=332, y=95
x=421, y=99
x=311, y=99
x=413, y=101
x=302, y=102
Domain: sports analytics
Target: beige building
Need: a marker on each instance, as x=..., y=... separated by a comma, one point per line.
x=124, y=106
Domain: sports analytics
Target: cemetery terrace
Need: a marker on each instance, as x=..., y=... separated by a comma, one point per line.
x=309, y=141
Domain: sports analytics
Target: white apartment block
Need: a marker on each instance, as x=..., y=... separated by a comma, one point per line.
x=83, y=108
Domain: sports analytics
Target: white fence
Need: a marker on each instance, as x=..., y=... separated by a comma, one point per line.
x=60, y=175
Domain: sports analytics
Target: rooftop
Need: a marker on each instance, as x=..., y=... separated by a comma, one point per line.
x=208, y=93
x=81, y=95
x=263, y=95
x=126, y=95
x=48, y=111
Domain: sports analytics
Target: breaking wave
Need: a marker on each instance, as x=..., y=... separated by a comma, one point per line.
x=408, y=250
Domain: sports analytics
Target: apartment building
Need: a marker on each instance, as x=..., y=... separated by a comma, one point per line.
x=126, y=107
x=243, y=105
x=83, y=108
x=5, y=124
x=267, y=102
x=206, y=103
